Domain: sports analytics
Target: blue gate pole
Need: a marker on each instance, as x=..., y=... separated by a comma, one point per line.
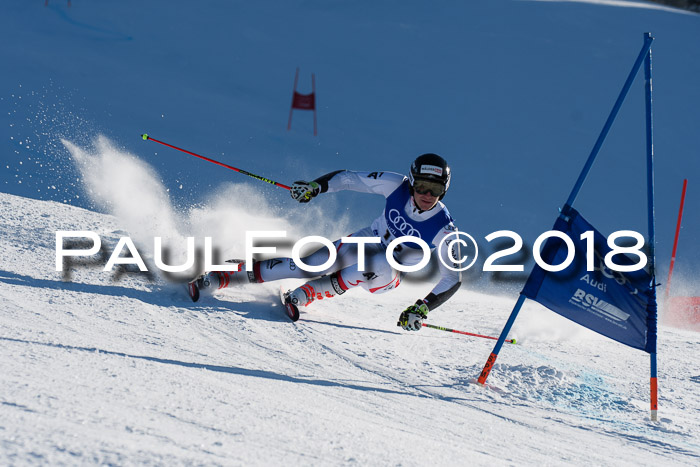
x=651, y=307
x=501, y=339
x=611, y=118
x=572, y=197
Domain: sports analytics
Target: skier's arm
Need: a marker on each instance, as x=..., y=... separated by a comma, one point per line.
x=449, y=280
x=411, y=319
x=381, y=183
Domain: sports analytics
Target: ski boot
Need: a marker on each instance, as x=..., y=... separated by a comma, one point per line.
x=194, y=286
x=211, y=281
x=291, y=300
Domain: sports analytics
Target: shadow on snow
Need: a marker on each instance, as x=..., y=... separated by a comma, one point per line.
x=217, y=368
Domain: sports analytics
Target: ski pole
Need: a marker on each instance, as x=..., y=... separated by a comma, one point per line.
x=257, y=177
x=510, y=341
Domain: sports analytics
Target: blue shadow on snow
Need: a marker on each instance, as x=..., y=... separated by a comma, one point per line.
x=218, y=368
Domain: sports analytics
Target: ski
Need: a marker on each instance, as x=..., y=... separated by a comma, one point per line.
x=290, y=309
x=193, y=290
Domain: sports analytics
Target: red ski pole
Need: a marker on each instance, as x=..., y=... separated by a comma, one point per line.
x=510, y=341
x=257, y=177
x=675, y=240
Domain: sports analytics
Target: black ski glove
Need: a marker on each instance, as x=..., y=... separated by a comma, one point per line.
x=411, y=319
x=303, y=191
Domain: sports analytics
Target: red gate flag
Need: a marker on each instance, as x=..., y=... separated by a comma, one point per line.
x=303, y=101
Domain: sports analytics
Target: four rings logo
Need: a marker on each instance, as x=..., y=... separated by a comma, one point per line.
x=400, y=224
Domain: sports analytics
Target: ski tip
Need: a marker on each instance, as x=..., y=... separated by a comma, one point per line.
x=193, y=291
x=144, y=136
x=291, y=310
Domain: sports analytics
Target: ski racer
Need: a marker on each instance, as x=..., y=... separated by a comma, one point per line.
x=413, y=208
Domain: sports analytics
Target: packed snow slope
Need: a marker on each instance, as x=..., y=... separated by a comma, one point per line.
x=512, y=93
x=107, y=368
x=122, y=368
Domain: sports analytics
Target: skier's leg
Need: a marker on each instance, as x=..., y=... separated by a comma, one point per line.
x=327, y=286
x=263, y=271
x=212, y=281
x=377, y=277
x=285, y=268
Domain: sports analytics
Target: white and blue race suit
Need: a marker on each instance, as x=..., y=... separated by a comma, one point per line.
x=401, y=217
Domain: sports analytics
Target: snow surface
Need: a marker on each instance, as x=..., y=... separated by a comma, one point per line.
x=121, y=368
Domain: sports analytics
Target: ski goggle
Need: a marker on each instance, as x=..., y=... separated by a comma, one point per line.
x=423, y=187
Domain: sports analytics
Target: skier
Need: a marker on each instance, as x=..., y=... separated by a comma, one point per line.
x=413, y=208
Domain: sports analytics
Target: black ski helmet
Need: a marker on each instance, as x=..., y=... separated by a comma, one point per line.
x=430, y=167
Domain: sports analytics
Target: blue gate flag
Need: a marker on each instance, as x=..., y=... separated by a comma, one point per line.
x=611, y=303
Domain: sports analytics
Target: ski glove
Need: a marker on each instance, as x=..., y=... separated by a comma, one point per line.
x=411, y=318
x=303, y=191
